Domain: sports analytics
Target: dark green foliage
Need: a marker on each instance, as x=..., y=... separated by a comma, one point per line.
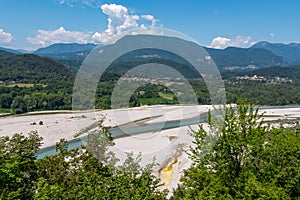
x=244, y=160
x=72, y=174
x=261, y=93
x=80, y=174
x=34, y=83
x=18, y=170
x=292, y=72
x=6, y=100
x=29, y=68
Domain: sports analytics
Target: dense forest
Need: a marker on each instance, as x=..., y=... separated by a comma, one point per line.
x=242, y=159
x=20, y=99
x=30, y=82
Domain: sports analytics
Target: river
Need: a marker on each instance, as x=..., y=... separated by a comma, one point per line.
x=122, y=131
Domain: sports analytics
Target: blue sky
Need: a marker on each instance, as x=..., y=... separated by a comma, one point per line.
x=32, y=24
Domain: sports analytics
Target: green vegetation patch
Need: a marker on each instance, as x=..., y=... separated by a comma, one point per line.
x=157, y=100
x=167, y=96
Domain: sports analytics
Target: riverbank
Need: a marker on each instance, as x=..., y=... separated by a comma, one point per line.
x=55, y=125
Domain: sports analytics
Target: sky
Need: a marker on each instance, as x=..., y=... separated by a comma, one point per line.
x=33, y=24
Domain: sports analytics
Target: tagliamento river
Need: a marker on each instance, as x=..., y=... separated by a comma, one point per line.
x=129, y=129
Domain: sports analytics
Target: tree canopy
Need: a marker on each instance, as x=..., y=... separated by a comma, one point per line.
x=243, y=159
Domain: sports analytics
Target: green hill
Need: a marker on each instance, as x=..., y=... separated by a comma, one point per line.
x=29, y=68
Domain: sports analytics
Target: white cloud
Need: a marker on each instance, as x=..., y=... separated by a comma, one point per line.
x=60, y=35
x=220, y=43
x=272, y=35
x=5, y=37
x=120, y=21
x=238, y=41
x=150, y=18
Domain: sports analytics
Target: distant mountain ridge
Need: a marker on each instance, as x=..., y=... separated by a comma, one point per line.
x=6, y=53
x=243, y=57
x=73, y=54
x=10, y=50
x=260, y=55
x=59, y=48
x=290, y=52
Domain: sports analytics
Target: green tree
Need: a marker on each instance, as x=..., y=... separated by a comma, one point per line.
x=244, y=160
x=19, y=105
x=89, y=173
x=6, y=100
x=18, y=171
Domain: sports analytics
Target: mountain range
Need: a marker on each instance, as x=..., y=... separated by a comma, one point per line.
x=233, y=58
x=10, y=50
x=290, y=52
x=261, y=55
x=30, y=68
x=64, y=48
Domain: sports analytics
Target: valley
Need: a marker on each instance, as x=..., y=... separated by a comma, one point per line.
x=154, y=100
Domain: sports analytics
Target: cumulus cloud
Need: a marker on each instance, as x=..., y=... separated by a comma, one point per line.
x=238, y=41
x=220, y=43
x=150, y=18
x=119, y=21
x=5, y=37
x=60, y=35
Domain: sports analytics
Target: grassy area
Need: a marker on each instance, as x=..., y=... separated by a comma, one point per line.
x=5, y=110
x=24, y=85
x=158, y=100
x=168, y=96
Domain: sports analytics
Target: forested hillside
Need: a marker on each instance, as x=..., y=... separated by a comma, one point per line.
x=239, y=57
x=292, y=72
x=30, y=82
x=290, y=52
x=29, y=68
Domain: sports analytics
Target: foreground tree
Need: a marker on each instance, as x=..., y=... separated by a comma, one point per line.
x=89, y=173
x=85, y=173
x=243, y=159
x=18, y=172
